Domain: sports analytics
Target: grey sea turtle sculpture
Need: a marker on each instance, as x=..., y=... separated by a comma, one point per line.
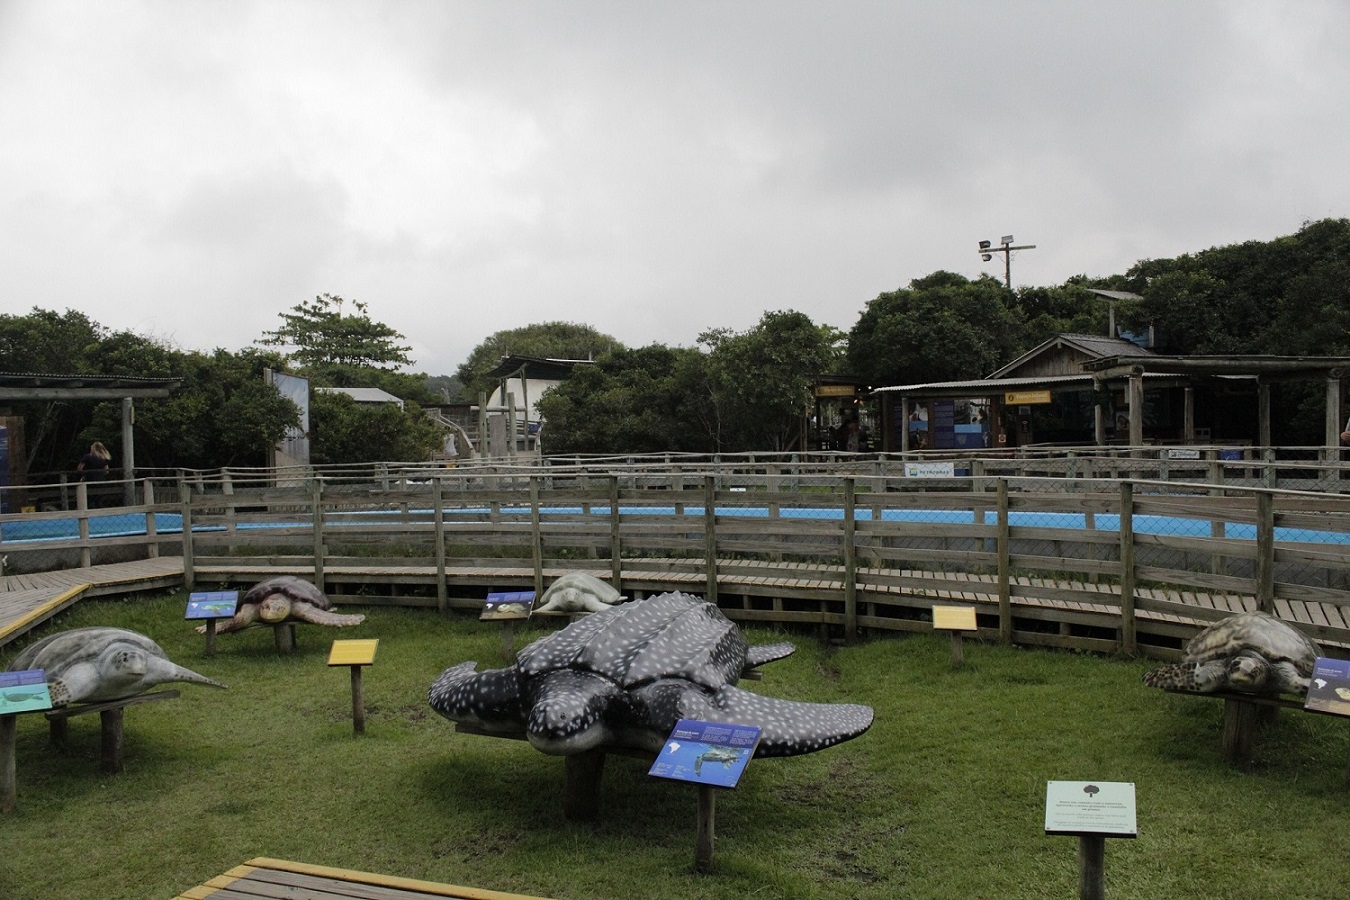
x=90, y=665
x=1252, y=652
x=281, y=599
x=578, y=592
x=624, y=676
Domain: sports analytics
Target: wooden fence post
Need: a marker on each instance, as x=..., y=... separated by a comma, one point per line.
x=1265, y=551
x=185, y=515
x=850, y=564
x=615, y=557
x=151, y=526
x=316, y=497
x=82, y=512
x=1128, y=635
x=710, y=535
x=438, y=519
x=1005, y=620
x=536, y=538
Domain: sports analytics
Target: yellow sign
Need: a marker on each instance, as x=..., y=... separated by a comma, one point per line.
x=954, y=618
x=836, y=390
x=353, y=653
x=1026, y=398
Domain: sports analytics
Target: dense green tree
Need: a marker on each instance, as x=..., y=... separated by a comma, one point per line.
x=344, y=431
x=323, y=337
x=629, y=401
x=943, y=327
x=760, y=380
x=545, y=340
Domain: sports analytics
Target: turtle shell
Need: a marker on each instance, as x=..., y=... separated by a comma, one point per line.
x=296, y=589
x=1254, y=632
x=57, y=652
x=669, y=636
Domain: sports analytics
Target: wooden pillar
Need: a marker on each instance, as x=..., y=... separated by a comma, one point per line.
x=128, y=453
x=151, y=526
x=111, y=721
x=9, y=791
x=710, y=535
x=438, y=526
x=1263, y=412
x=82, y=513
x=316, y=498
x=850, y=563
x=1099, y=412
x=615, y=547
x=358, y=702
x=1005, y=620
x=1091, y=867
x=1128, y=634
x=536, y=538
x=185, y=513
x=581, y=789
x=1188, y=414
x=1137, y=407
x=1265, y=551
x=707, y=816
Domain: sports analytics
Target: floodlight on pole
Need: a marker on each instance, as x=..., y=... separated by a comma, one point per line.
x=987, y=249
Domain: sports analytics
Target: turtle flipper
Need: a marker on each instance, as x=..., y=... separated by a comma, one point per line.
x=767, y=653
x=305, y=613
x=244, y=616
x=489, y=700
x=790, y=727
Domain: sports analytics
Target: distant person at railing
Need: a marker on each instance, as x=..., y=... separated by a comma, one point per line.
x=96, y=464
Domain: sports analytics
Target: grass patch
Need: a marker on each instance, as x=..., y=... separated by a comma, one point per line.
x=944, y=797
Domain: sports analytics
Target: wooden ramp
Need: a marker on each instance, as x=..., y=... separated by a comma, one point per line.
x=265, y=877
x=27, y=601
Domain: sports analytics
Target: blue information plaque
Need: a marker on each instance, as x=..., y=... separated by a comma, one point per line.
x=212, y=604
x=24, y=691
x=711, y=753
x=508, y=605
x=1329, y=687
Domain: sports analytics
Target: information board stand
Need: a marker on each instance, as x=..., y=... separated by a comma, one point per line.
x=508, y=607
x=955, y=619
x=1093, y=811
x=211, y=606
x=712, y=755
x=355, y=654
x=20, y=692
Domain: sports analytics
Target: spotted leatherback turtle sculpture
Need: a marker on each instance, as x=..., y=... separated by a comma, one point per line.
x=284, y=599
x=578, y=592
x=624, y=676
x=1252, y=652
x=91, y=665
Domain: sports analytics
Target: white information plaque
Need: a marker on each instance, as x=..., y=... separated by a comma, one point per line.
x=1090, y=807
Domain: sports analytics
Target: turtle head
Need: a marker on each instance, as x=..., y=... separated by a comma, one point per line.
x=274, y=608
x=1248, y=672
x=569, y=712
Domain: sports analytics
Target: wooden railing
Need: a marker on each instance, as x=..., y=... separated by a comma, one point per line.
x=848, y=551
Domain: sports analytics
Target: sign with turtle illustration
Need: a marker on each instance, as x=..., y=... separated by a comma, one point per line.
x=1329, y=687
x=508, y=605
x=212, y=604
x=711, y=753
x=24, y=691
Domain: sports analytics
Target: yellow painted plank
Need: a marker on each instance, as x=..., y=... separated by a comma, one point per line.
x=207, y=888
x=430, y=888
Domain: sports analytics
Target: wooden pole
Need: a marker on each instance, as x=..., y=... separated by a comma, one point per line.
x=185, y=512
x=1005, y=622
x=615, y=548
x=210, y=637
x=581, y=790
x=358, y=702
x=1128, y=637
x=1265, y=551
x=151, y=526
x=536, y=538
x=1091, y=867
x=438, y=515
x=316, y=497
x=850, y=564
x=707, y=815
x=710, y=535
x=82, y=511
x=9, y=791
x=111, y=721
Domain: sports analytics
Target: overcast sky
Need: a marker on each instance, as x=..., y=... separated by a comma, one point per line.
x=189, y=170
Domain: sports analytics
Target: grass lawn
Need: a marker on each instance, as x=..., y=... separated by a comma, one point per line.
x=944, y=797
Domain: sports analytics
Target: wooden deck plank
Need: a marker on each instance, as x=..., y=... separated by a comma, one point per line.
x=264, y=877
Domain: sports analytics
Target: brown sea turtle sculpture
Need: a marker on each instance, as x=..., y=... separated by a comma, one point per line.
x=91, y=665
x=1252, y=652
x=284, y=599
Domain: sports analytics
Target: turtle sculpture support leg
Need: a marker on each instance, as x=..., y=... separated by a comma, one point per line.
x=284, y=632
x=581, y=790
x=1241, y=721
x=9, y=793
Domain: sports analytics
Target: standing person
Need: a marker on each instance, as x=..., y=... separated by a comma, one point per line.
x=95, y=464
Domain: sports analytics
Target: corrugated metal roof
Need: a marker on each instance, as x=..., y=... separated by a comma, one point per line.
x=1096, y=346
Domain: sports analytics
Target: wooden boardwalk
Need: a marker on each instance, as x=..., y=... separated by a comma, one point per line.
x=265, y=877
x=27, y=601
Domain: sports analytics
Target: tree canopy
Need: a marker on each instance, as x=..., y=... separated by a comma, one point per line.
x=545, y=340
x=324, y=337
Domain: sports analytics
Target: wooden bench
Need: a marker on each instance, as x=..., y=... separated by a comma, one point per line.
x=266, y=877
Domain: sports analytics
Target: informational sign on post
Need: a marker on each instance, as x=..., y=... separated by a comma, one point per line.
x=1329, y=687
x=1090, y=807
x=24, y=691
x=508, y=605
x=212, y=604
x=708, y=753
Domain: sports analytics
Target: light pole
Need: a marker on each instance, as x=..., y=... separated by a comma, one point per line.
x=987, y=251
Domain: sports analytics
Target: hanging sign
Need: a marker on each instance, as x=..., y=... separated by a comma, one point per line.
x=1026, y=398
